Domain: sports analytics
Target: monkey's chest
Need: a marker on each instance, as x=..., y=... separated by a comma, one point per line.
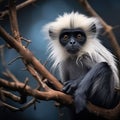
x=76, y=71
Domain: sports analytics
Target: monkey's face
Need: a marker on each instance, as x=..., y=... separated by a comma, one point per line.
x=72, y=39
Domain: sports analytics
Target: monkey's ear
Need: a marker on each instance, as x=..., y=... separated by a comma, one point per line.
x=52, y=34
x=93, y=28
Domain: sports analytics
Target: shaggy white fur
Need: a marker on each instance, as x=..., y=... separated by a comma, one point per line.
x=92, y=47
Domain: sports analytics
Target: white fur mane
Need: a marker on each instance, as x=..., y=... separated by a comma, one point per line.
x=92, y=47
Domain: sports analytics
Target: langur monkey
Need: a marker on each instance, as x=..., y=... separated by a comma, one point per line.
x=87, y=69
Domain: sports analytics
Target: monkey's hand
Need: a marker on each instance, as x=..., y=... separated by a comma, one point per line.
x=70, y=86
x=73, y=87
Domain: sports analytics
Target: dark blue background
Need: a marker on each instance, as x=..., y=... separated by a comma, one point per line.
x=31, y=19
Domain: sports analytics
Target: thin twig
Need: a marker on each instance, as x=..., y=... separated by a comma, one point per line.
x=26, y=82
x=27, y=105
x=10, y=107
x=10, y=75
x=37, y=77
x=7, y=73
x=10, y=95
x=27, y=41
x=13, y=60
x=13, y=20
x=2, y=55
x=18, y=7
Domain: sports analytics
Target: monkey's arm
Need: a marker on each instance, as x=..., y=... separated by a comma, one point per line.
x=97, y=86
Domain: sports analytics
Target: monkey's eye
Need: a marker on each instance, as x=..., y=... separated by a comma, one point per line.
x=65, y=37
x=79, y=36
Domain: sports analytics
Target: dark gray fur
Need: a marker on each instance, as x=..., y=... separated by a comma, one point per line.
x=89, y=80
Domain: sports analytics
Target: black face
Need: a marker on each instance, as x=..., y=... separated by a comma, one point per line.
x=72, y=39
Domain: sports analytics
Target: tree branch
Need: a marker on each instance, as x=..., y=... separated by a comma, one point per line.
x=13, y=20
x=49, y=95
x=29, y=58
x=10, y=95
x=110, y=114
x=18, y=7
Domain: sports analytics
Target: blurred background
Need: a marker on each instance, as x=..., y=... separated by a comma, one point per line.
x=30, y=20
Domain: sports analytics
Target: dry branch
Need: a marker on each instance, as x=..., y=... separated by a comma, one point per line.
x=29, y=58
x=7, y=72
x=13, y=20
x=18, y=7
x=8, y=106
x=10, y=95
x=110, y=114
x=49, y=95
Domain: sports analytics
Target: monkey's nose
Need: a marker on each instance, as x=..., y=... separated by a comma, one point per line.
x=72, y=42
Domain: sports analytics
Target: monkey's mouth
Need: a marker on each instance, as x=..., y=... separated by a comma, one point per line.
x=73, y=50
